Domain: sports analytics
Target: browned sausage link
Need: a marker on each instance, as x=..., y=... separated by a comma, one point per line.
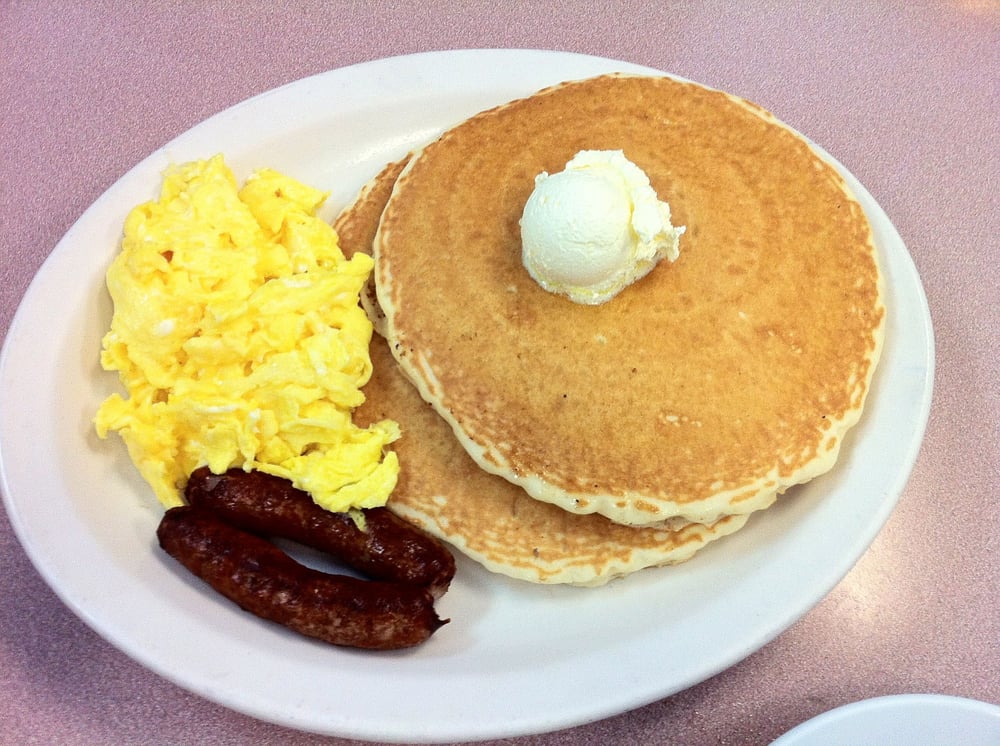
x=265, y=581
x=388, y=549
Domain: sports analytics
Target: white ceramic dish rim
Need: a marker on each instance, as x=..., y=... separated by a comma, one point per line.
x=925, y=718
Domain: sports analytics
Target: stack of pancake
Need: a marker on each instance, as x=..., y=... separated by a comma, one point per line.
x=565, y=443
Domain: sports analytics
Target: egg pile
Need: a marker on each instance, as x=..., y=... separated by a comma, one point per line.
x=238, y=337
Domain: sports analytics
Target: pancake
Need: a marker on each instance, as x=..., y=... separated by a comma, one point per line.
x=494, y=522
x=357, y=224
x=705, y=389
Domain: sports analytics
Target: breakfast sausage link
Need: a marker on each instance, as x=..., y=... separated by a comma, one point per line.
x=266, y=582
x=388, y=548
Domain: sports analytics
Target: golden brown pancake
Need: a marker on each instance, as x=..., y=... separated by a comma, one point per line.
x=706, y=388
x=486, y=517
x=357, y=224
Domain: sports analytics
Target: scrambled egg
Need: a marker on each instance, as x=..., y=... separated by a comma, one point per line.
x=238, y=336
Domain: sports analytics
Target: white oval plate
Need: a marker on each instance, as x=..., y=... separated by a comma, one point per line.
x=902, y=720
x=516, y=658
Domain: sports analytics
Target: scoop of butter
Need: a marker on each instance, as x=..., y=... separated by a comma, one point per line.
x=595, y=227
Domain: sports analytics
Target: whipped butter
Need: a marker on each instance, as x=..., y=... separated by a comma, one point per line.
x=595, y=227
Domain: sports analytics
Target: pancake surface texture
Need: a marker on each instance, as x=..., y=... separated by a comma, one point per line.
x=703, y=390
x=441, y=489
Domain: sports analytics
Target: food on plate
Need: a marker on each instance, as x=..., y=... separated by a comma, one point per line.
x=486, y=517
x=373, y=541
x=704, y=390
x=571, y=407
x=268, y=583
x=356, y=225
x=239, y=340
x=238, y=335
x=594, y=228
x=497, y=523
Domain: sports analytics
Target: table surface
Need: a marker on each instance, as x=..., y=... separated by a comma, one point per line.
x=906, y=95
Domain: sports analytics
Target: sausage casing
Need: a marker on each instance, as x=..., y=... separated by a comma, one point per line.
x=265, y=581
x=388, y=548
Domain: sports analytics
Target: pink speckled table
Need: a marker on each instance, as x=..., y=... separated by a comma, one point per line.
x=906, y=95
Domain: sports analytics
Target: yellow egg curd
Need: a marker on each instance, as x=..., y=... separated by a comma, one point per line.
x=238, y=336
